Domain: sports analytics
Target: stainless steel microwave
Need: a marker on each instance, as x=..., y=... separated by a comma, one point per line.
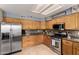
x=59, y=26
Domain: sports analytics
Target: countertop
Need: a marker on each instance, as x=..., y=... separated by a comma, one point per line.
x=71, y=39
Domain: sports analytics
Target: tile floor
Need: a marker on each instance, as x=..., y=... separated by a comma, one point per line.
x=37, y=50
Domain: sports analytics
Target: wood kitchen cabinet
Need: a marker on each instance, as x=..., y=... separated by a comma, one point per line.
x=31, y=40
x=76, y=48
x=27, y=24
x=60, y=20
x=43, y=25
x=67, y=47
x=30, y=24
x=36, y=25
x=50, y=23
x=47, y=40
x=12, y=20
x=71, y=21
x=70, y=47
x=49, y=26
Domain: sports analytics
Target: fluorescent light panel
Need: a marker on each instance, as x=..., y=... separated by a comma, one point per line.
x=53, y=8
x=40, y=7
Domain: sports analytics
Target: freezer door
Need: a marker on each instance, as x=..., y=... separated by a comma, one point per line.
x=5, y=39
x=16, y=37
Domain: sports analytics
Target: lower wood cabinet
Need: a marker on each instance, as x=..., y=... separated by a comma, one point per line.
x=70, y=47
x=76, y=48
x=67, y=47
x=31, y=40
x=47, y=40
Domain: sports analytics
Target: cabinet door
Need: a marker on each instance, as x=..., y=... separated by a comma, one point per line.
x=28, y=41
x=47, y=40
x=77, y=21
x=76, y=48
x=8, y=20
x=32, y=40
x=38, y=39
x=27, y=24
x=67, y=47
x=71, y=21
x=51, y=23
x=43, y=25
x=60, y=20
x=12, y=20
x=24, y=24
x=30, y=24
x=35, y=25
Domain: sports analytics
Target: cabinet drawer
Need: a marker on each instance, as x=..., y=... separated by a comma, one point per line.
x=76, y=44
x=67, y=42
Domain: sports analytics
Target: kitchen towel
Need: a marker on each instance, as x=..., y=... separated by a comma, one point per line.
x=53, y=42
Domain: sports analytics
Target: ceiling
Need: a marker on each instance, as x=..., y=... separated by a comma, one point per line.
x=34, y=9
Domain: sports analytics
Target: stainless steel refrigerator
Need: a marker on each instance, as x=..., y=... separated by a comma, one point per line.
x=10, y=38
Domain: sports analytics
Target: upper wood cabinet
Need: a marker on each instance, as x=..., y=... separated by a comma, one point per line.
x=71, y=21
x=30, y=24
x=27, y=24
x=12, y=20
x=60, y=20
x=43, y=25
x=36, y=25
x=50, y=23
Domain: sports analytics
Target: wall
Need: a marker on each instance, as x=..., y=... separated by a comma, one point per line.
x=1, y=15
x=32, y=16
